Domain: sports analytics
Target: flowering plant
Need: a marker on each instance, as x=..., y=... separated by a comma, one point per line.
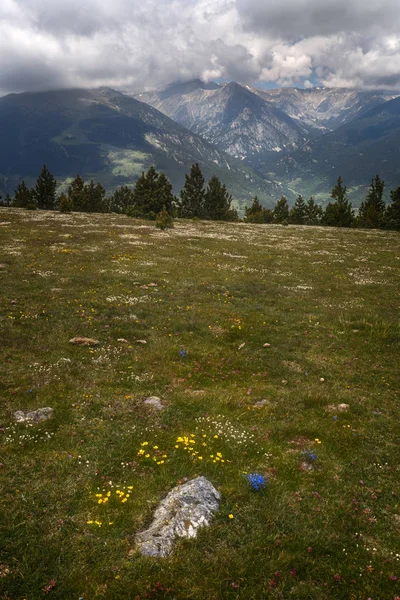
x=256, y=480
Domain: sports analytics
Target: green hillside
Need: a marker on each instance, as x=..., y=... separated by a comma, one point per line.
x=105, y=135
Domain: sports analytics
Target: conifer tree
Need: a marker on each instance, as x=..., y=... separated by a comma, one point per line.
x=165, y=196
x=152, y=191
x=76, y=194
x=94, y=196
x=392, y=214
x=339, y=213
x=281, y=211
x=372, y=210
x=23, y=197
x=217, y=202
x=45, y=190
x=257, y=213
x=191, y=202
x=164, y=220
x=65, y=204
x=297, y=214
x=314, y=212
x=122, y=199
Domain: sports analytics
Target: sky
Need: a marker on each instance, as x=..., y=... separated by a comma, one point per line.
x=137, y=45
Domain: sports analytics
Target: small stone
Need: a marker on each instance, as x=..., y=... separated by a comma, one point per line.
x=141, y=341
x=261, y=403
x=306, y=467
x=195, y=392
x=154, y=401
x=184, y=510
x=84, y=341
x=337, y=408
x=266, y=345
x=322, y=379
x=35, y=416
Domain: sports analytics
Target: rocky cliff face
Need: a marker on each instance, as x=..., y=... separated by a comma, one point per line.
x=230, y=116
x=325, y=109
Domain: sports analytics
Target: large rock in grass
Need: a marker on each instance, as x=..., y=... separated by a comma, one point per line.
x=186, y=508
x=34, y=416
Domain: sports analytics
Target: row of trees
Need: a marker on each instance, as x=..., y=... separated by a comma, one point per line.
x=152, y=194
x=373, y=212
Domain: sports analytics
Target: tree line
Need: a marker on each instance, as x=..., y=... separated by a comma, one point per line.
x=152, y=198
x=373, y=212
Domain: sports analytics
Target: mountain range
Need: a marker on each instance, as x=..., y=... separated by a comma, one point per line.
x=110, y=137
x=302, y=138
x=264, y=142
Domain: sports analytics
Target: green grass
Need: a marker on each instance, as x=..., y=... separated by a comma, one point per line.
x=327, y=301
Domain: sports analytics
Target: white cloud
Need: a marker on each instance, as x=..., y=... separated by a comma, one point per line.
x=135, y=45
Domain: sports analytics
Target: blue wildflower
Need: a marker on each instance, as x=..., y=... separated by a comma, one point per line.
x=311, y=456
x=183, y=353
x=257, y=481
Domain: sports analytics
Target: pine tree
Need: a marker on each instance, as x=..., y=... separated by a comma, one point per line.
x=217, y=202
x=297, y=215
x=257, y=213
x=372, y=210
x=122, y=199
x=392, y=214
x=165, y=196
x=339, y=213
x=7, y=200
x=314, y=212
x=75, y=193
x=281, y=211
x=191, y=202
x=164, y=220
x=23, y=197
x=65, y=204
x=45, y=190
x=152, y=191
x=94, y=197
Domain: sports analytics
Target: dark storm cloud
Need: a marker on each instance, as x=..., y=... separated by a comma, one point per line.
x=292, y=19
x=135, y=45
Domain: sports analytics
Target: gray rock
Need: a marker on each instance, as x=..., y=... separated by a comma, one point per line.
x=154, y=401
x=262, y=403
x=84, y=341
x=186, y=508
x=35, y=416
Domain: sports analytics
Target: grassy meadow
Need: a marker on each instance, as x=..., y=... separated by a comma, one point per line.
x=185, y=315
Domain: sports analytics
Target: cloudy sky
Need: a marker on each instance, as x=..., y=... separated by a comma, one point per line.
x=134, y=45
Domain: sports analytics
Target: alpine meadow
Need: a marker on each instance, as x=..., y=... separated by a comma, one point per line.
x=199, y=300
x=268, y=353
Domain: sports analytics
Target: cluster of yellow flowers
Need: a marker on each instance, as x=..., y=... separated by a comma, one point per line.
x=99, y=523
x=237, y=323
x=158, y=456
x=122, y=495
x=187, y=443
